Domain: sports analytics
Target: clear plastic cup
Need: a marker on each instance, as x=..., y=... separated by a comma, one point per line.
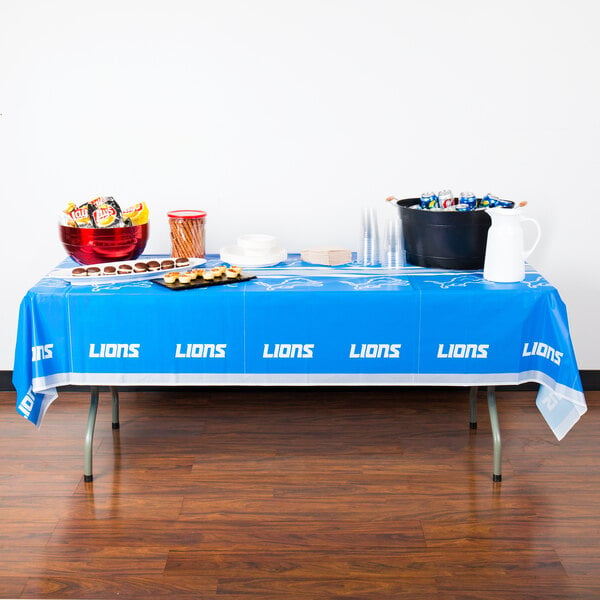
x=368, y=250
x=393, y=255
x=187, y=233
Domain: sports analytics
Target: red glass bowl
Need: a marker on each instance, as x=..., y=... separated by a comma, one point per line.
x=90, y=246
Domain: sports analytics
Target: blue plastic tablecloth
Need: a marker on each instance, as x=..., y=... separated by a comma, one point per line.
x=301, y=324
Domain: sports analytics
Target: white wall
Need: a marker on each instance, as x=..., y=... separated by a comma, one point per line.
x=287, y=116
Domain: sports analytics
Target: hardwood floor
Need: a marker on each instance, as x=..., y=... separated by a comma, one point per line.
x=299, y=493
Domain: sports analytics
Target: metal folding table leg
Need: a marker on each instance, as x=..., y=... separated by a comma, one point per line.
x=491, y=397
x=115, y=408
x=89, y=435
x=473, y=405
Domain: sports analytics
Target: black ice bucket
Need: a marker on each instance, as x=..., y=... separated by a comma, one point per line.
x=443, y=239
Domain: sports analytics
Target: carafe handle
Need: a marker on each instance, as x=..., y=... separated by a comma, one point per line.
x=526, y=253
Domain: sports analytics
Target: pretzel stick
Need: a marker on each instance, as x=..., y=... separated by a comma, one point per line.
x=196, y=246
x=197, y=241
x=184, y=238
x=187, y=238
x=173, y=239
x=176, y=246
x=179, y=250
x=200, y=240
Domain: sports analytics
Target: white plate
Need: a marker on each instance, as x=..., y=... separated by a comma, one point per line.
x=234, y=255
x=67, y=275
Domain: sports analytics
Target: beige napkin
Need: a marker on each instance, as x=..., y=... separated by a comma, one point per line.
x=327, y=256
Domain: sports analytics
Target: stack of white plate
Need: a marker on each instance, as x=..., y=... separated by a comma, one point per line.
x=254, y=250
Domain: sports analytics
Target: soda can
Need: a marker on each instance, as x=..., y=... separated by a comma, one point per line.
x=505, y=203
x=429, y=200
x=489, y=201
x=446, y=199
x=467, y=201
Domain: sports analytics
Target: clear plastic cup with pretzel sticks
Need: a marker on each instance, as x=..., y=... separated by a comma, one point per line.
x=187, y=233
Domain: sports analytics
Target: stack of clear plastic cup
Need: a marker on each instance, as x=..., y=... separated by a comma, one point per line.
x=368, y=250
x=393, y=256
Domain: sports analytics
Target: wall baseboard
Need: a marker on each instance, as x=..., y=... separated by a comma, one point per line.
x=589, y=379
x=6, y=381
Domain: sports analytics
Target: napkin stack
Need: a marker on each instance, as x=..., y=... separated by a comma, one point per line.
x=327, y=256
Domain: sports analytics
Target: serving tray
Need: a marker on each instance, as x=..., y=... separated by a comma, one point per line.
x=67, y=273
x=201, y=283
